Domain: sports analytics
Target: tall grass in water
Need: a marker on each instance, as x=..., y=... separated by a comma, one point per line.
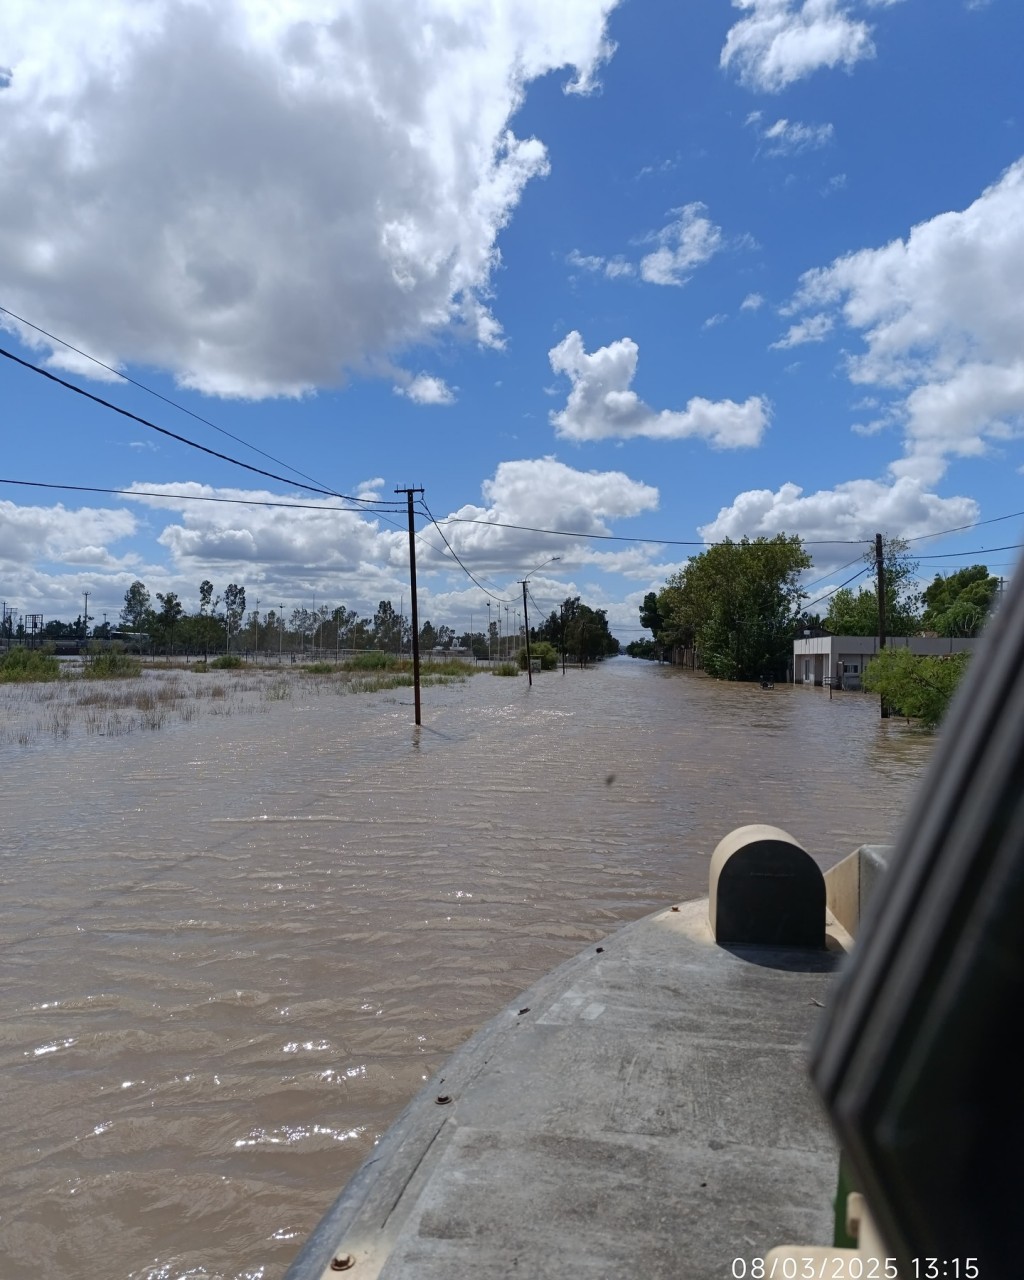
x=226, y=662
x=111, y=665
x=111, y=707
x=20, y=666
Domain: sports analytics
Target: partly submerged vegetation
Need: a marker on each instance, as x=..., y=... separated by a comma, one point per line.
x=111, y=665
x=918, y=688
x=22, y=666
x=113, y=694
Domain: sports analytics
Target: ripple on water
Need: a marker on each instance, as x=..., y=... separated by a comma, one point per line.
x=255, y=937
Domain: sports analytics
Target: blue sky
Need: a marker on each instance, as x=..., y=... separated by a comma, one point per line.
x=662, y=271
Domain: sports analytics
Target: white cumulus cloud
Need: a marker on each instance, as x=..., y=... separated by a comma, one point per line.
x=684, y=243
x=32, y=534
x=614, y=268
x=788, y=137
x=781, y=41
x=259, y=197
x=941, y=314
x=542, y=493
x=851, y=512
x=426, y=389
x=602, y=406
x=813, y=329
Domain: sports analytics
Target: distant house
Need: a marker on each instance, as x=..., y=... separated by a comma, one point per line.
x=840, y=660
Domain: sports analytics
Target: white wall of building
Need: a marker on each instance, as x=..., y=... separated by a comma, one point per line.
x=816, y=658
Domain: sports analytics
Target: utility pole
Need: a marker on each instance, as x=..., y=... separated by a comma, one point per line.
x=880, y=569
x=256, y=628
x=526, y=619
x=415, y=612
x=85, y=617
x=526, y=615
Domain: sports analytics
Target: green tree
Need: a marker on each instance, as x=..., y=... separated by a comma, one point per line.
x=475, y=642
x=852, y=614
x=166, y=619
x=234, y=609
x=644, y=649
x=387, y=628
x=302, y=623
x=919, y=688
x=651, y=617
x=345, y=621
x=56, y=630
x=428, y=636
x=736, y=603
x=960, y=604
x=136, y=607
x=543, y=652
x=577, y=630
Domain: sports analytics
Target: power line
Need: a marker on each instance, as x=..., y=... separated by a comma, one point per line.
x=809, y=585
x=466, y=571
x=150, y=391
x=615, y=537
x=194, y=444
x=393, y=507
x=191, y=497
x=1014, y=515
x=320, y=488
x=951, y=555
x=859, y=574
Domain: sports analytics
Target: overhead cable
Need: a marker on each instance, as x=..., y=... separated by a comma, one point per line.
x=194, y=444
x=859, y=574
x=150, y=391
x=616, y=537
x=193, y=497
x=467, y=572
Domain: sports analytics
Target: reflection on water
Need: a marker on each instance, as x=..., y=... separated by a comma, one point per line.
x=234, y=949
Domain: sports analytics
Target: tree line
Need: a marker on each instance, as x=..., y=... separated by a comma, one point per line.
x=160, y=623
x=222, y=623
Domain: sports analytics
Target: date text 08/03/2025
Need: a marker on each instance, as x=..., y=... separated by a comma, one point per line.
x=853, y=1266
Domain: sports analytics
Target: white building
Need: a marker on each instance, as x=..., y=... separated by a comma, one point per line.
x=840, y=660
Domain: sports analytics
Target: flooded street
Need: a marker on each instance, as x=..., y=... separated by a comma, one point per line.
x=235, y=947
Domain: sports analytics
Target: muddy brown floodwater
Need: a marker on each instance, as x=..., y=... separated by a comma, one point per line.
x=235, y=946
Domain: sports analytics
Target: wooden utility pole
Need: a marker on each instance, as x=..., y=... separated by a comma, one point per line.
x=526, y=619
x=880, y=570
x=415, y=612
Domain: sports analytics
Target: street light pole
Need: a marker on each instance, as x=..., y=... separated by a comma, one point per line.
x=526, y=616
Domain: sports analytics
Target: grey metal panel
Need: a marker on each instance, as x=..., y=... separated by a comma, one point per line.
x=650, y=1111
